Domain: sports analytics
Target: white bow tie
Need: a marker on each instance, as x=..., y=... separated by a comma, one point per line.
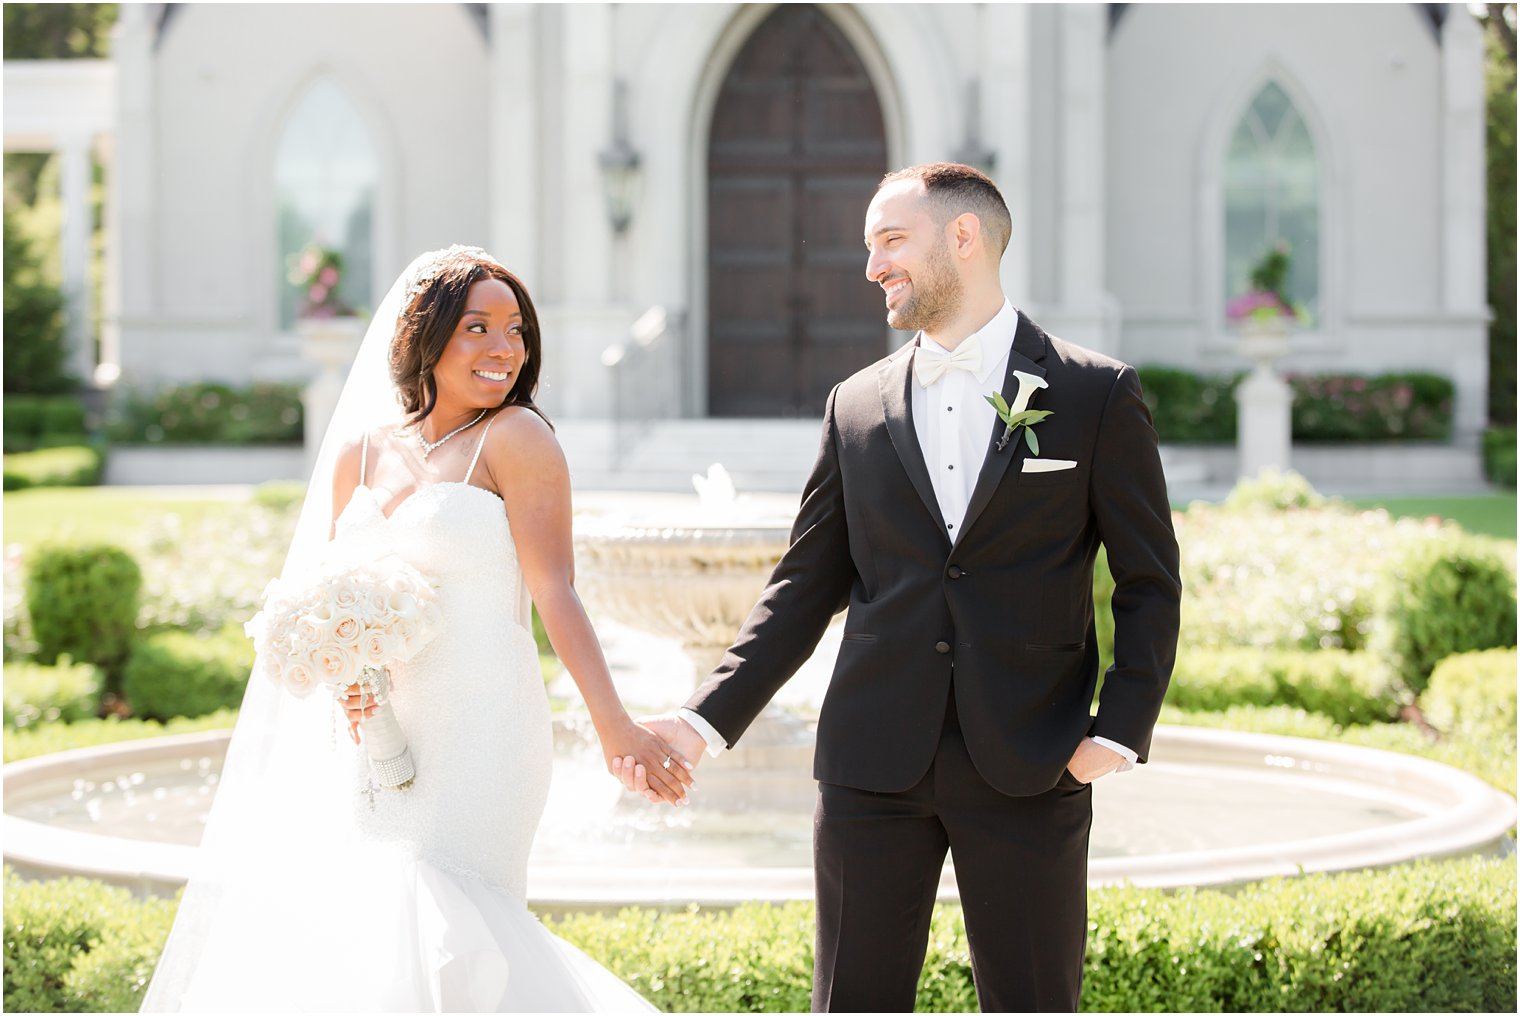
x=930, y=362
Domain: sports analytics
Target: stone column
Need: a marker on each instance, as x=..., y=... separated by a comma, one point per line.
x=110, y=290
x=1080, y=128
x=1464, y=271
x=132, y=182
x=515, y=141
x=74, y=187
x=330, y=343
x=1006, y=126
x=1264, y=436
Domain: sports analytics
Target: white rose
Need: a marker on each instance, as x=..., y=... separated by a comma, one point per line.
x=346, y=629
x=335, y=667
x=298, y=678
x=377, y=649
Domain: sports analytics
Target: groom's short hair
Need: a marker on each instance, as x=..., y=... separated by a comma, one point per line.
x=954, y=189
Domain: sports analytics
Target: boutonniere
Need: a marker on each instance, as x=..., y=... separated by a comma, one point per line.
x=1019, y=414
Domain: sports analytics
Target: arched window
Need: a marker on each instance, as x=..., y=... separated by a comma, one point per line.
x=325, y=174
x=1271, y=196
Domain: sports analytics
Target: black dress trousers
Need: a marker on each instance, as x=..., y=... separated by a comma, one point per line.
x=1021, y=863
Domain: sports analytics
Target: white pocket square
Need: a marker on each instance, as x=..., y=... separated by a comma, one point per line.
x=1048, y=465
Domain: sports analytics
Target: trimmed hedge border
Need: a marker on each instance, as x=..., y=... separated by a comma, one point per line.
x=66, y=466
x=1346, y=687
x=1433, y=936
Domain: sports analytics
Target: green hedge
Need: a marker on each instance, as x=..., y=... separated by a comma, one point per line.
x=31, y=421
x=1433, y=936
x=1473, y=695
x=1191, y=407
x=46, y=738
x=82, y=601
x=67, y=466
x=1499, y=456
x=1389, y=407
x=1346, y=687
x=35, y=693
x=1448, y=594
x=209, y=413
x=175, y=673
x=74, y=945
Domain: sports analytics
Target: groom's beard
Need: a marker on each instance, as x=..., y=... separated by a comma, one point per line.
x=937, y=292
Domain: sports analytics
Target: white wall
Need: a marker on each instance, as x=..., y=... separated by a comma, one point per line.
x=1368, y=80
x=224, y=78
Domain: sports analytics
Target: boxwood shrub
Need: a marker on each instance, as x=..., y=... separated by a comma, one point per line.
x=1448, y=594
x=82, y=601
x=35, y=693
x=1499, y=454
x=1347, y=687
x=1472, y=695
x=33, y=421
x=1433, y=936
x=67, y=466
x=175, y=673
x=75, y=945
x=209, y=413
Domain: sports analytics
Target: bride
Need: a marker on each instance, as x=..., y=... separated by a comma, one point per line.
x=317, y=890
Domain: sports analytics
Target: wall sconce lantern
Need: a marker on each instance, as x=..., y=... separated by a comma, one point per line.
x=972, y=152
x=620, y=165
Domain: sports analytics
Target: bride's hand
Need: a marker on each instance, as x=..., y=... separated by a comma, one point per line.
x=666, y=770
x=357, y=707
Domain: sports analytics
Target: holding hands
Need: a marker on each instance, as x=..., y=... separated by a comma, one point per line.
x=647, y=780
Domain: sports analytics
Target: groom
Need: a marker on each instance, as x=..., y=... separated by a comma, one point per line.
x=958, y=716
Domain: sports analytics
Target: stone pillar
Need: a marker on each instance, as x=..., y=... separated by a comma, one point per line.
x=581, y=315
x=330, y=343
x=110, y=289
x=1264, y=436
x=134, y=231
x=74, y=188
x=1082, y=35
x=1005, y=41
x=1464, y=269
x=515, y=140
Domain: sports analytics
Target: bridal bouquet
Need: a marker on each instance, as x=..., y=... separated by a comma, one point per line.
x=349, y=622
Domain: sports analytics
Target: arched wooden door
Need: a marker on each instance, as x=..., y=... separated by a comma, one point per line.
x=796, y=148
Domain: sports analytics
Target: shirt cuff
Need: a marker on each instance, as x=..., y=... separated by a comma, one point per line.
x=715, y=741
x=1130, y=758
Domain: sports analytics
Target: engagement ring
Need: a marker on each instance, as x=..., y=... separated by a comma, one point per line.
x=666, y=763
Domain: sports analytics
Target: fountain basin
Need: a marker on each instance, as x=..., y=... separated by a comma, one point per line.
x=1216, y=807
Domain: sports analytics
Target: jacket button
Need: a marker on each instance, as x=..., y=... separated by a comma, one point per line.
x=942, y=648
x=955, y=571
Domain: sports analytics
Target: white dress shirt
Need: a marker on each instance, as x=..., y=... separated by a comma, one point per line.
x=953, y=422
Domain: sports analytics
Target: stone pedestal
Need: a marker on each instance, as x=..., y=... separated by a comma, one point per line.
x=1265, y=429
x=331, y=344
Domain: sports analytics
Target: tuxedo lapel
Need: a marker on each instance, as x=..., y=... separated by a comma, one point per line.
x=1028, y=349
x=897, y=404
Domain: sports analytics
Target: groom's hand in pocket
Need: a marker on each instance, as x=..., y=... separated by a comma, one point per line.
x=1093, y=760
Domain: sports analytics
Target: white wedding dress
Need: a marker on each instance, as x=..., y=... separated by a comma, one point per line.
x=423, y=907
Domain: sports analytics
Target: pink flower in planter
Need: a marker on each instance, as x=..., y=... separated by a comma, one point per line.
x=1256, y=304
x=329, y=277
x=316, y=294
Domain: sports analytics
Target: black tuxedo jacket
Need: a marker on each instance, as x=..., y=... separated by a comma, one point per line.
x=1005, y=606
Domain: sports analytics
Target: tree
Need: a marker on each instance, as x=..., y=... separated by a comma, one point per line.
x=35, y=353
x=1499, y=76
x=58, y=31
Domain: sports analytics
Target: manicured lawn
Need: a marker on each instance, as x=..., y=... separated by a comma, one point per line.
x=1489, y=514
x=90, y=514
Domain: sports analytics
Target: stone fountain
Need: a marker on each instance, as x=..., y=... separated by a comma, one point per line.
x=690, y=570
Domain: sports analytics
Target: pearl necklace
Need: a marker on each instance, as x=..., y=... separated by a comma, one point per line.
x=429, y=447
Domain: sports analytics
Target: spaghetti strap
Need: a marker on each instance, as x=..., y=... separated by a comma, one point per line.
x=363, y=457
x=478, y=446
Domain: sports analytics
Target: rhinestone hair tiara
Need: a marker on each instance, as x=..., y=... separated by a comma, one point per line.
x=434, y=261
